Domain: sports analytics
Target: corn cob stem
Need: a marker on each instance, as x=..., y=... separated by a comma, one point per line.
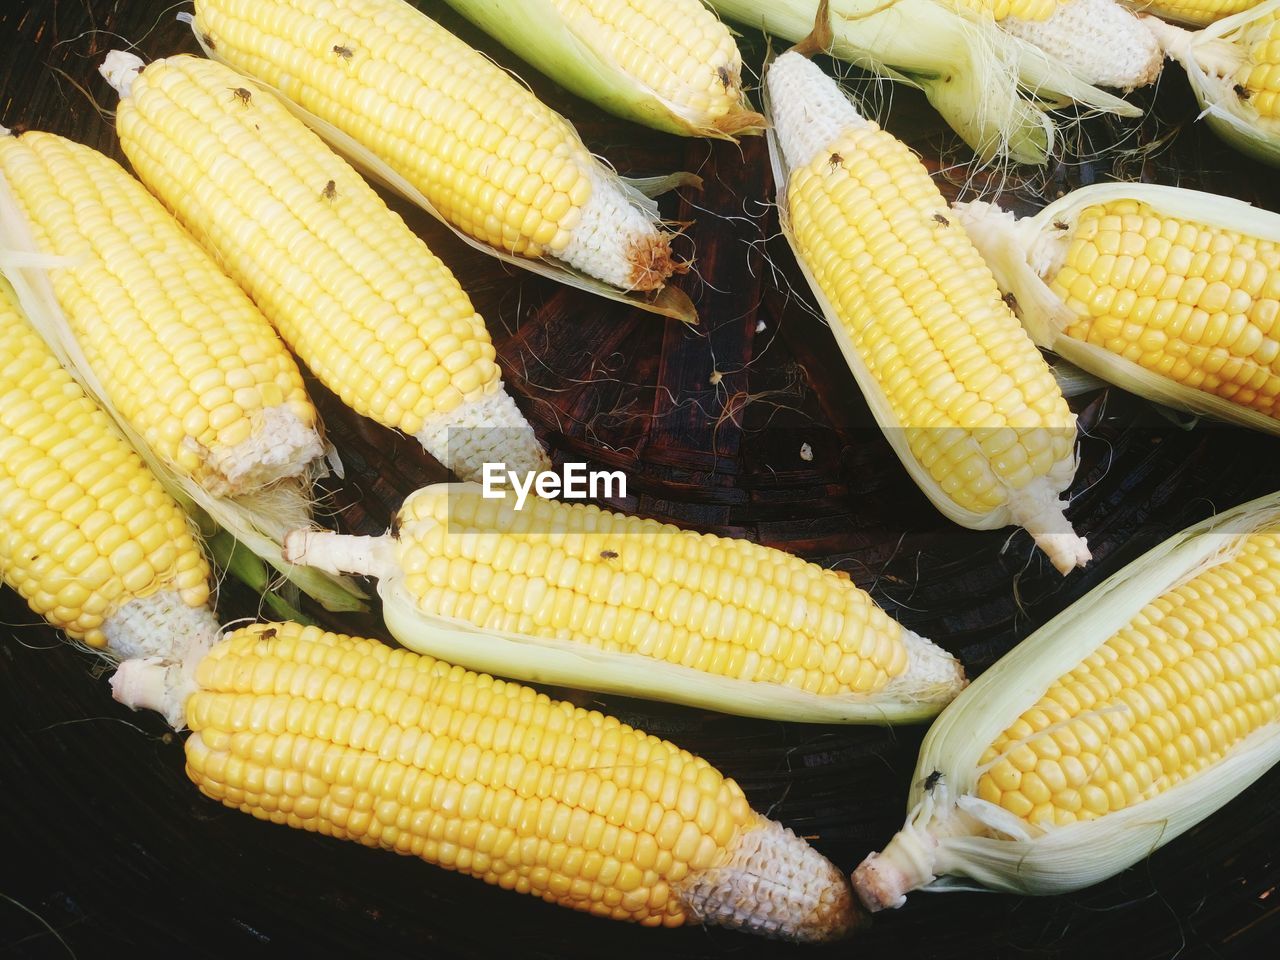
x=487, y=778
x=919, y=319
x=571, y=594
x=374, y=314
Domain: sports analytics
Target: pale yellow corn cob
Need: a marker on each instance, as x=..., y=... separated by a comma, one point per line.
x=594, y=580
x=88, y=536
x=492, y=159
x=181, y=351
x=961, y=391
x=1110, y=731
x=357, y=296
x=349, y=738
x=1193, y=303
x=1196, y=13
x=1000, y=10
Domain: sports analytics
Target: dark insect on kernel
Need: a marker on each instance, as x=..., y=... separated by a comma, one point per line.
x=1010, y=301
x=1060, y=225
x=609, y=554
x=208, y=41
x=726, y=79
x=939, y=218
x=242, y=94
x=268, y=634
x=344, y=52
x=1241, y=91
x=931, y=780
x=330, y=190
x=835, y=160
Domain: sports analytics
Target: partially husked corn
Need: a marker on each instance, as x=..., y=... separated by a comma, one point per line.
x=352, y=739
x=354, y=292
x=181, y=351
x=1194, y=303
x=970, y=404
x=591, y=580
x=1258, y=78
x=88, y=537
x=1111, y=730
x=491, y=158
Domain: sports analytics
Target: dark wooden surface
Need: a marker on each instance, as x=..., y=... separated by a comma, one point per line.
x=109, y=850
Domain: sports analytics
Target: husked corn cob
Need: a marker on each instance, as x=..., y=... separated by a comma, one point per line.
x=182, y=352
x=965, y=398
x=1196, y=13
x=491, y=159
x=1234, y=68
x=88, y=536
x=360, y=299
x=352, y=739
x=1120, y=724
x=572, y=594
x=1170, y=293
x=669, y=64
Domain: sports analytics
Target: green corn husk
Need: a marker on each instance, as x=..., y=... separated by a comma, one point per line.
x=1211, y=57
x=994, y=90
x=578, y=60
x=953, y=840
x=1012, y=250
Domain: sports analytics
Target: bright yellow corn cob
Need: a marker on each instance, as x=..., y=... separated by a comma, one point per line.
x=88, y=536
x=493, y=160
x=182, y=353
x=1170, y=293
x=1196, y=13
x=965, y=398
x=1234, y=68
x=669, y=64
x=360, y=299
x=352, y=739
x=1117, y=726
x=571, y=594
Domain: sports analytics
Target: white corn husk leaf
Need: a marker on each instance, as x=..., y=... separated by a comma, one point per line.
x=1074, y=382
x=669, y=301
x=260, y=522
x=538, y=32
x=1017, y=857
x=1008, y=249
x=1230, y=116
x=908, y=698
x=992, y=88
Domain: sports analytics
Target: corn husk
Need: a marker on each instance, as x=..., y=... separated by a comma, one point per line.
x=932, y=678
x=994, y=90
x=1011, y=250
x=953, y=840
x=538, y=32
x=669, y=301
x=258, y=521
x=1210, y=57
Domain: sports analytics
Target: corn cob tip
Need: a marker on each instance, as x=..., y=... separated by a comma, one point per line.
x=485, y=430
x=774, y=884
x=1100, y=41
x=282, y=446
x=932, y=676
x=617, y=241
x=120, y=69
x=161, y=624
x=809, y=111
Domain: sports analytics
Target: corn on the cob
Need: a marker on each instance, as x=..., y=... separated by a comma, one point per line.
x=571, y=594
x=88, y=536
x=975, y=75
x=1234, y=69
x=1196, y=13
x=1123, y=722
x=182, y=352
x=360, y=299
x=669, y=64
x=349, y=738
x=1169, y=293
x=966, y=400
x=487, y=155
